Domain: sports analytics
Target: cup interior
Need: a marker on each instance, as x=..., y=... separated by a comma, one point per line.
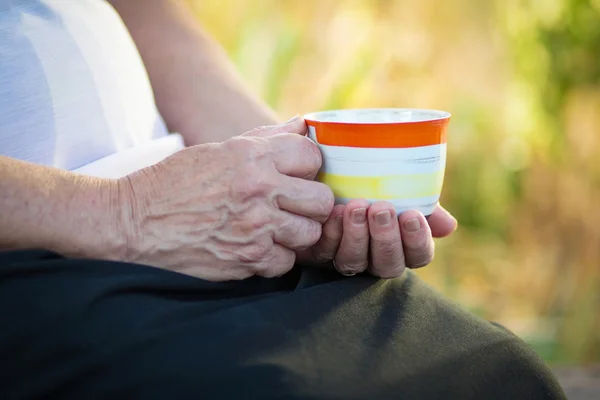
x=377, y=116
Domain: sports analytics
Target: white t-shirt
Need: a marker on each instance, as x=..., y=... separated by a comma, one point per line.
x=74, y=93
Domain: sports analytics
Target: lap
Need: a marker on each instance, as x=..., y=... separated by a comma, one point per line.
x=94, y=329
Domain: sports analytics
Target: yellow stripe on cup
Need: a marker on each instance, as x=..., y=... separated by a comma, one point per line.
x=387, y=187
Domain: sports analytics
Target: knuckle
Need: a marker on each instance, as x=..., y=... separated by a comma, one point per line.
x=251, y=178
x=235, y=144
x=258, y=149
x=262, y=184
x=248, y=184
x=321, y=201
x=256, y=252
x=252, y=148
x=358, y=239
x=327, y=200
x=389, y=242
x=279, y=264
x=241, y=189
x=389, y=258
x=313, y=233
x=254, y=221
x=387, y=249
x=304, y=233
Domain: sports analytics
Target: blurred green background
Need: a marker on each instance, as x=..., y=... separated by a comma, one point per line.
x=522, y=80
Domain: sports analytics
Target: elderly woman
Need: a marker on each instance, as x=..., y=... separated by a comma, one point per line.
x=143, y=263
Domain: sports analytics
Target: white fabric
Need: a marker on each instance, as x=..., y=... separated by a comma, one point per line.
x=135, y=158
x=74, y=93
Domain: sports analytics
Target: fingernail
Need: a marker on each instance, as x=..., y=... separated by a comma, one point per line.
x=293, y=119
x=412, y=225
x=383, y=218
x=359, y=215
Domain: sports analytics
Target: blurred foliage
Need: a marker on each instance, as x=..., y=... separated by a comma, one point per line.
x=522, y=80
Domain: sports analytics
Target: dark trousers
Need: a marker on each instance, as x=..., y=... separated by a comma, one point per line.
x=82, y=329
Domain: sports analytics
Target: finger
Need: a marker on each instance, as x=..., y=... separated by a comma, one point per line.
x=416, y=239
x=294, y=231
x=295, y=125
x=353, y=254
x=442, y=223
x=295, y=155
x=279, y=262
x=307, y=198
x=327, y=246
x=387, y=254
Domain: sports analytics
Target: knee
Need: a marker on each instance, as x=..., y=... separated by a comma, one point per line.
x=506, y=368
x=527, y=374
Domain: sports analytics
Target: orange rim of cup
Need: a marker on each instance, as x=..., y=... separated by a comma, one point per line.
x=380, y=134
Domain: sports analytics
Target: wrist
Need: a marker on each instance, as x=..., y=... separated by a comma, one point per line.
x=97, y=229
x=126, y=219
x=119, y=225
x=70, y=214
x=129, y=209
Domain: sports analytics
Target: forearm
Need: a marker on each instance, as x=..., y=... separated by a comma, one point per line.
x=197, y=90
x=46, y=208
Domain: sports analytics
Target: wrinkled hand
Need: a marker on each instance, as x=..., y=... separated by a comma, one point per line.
x=360, y=238
x=229, y=210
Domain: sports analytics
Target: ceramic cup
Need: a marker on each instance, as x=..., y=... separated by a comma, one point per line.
x=392, y=154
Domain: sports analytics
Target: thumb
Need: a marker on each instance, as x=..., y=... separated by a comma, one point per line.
x=294, y=125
